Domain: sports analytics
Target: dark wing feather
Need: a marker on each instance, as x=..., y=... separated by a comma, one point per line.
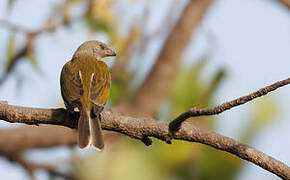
x=71, y=84
x=100, y=84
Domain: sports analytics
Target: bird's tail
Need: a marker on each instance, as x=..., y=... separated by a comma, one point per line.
x=89, y=131
x=84, y=129
x=96, y=132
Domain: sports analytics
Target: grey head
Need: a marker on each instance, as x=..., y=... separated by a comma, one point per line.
x=94, y=48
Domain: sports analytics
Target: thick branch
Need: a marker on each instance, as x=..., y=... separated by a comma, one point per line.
x=286, y=3
x=29, y=137
x=156, y=85
x=193, y=112
x=138, y=128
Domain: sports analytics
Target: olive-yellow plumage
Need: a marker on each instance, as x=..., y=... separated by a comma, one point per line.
x=85, y=83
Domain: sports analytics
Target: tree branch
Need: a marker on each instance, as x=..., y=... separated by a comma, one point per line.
x=156, y=86
x=193, y=112
x=31, y=167
x=138, y=128
x=286, y=3
x=49, y=26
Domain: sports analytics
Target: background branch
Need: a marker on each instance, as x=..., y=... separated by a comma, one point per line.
x=138, y=128
x=31, y=167
x=286, y=3
x=148, y=101
x=49, y=25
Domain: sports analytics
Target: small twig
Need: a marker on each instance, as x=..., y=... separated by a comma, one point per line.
x=18, y=158
x=13, y=27
x=51, y=170
x=164, y=27
x=193, y=112
x=17, y=28
x=12, y=63
x=48, y=26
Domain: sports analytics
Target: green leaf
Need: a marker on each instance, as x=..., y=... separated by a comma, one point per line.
x=265, y=111
x=10, y=4
x=32, y=57
x=96, y=24
x=182, y=98
x=11, y=47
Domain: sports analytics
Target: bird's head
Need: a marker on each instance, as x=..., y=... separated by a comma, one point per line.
x=94, y=48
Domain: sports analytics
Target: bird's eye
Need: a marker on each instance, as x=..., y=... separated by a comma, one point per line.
x=102, y=46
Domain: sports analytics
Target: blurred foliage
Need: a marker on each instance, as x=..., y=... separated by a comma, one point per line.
x=183, y=98
x=264, y=112
x=189, y=89
x=31, y=57
x=13, y=56
x=11, y=48
x=10, y=4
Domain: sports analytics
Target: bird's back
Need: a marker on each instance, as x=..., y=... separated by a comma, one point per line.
x=88, y=81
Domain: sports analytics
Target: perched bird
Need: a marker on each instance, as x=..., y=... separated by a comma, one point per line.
x=85, y=84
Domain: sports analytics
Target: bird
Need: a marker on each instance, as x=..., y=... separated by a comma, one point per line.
x=85, y=84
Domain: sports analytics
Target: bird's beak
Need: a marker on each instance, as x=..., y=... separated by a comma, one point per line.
x=110, y=52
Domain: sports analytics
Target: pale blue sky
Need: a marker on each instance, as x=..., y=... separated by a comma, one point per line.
x=251, y=40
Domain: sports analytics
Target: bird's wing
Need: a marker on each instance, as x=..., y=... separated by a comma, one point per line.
x=100, y=84
x=71, y=83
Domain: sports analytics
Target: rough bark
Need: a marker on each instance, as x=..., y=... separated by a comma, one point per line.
x=138, y=128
